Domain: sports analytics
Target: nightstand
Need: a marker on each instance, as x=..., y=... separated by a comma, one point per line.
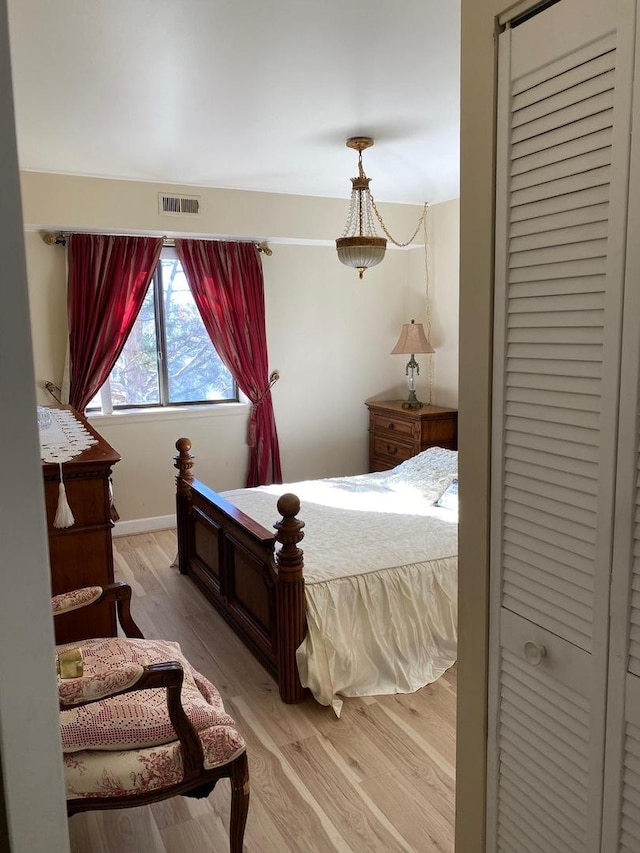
x=396, y=434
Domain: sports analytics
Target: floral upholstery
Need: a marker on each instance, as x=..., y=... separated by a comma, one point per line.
x=67, y=601
x=71, y=691
x=126, y=743
x=115, y=774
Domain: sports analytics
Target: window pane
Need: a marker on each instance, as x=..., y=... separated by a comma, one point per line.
x=194, y=369
x=134, y=378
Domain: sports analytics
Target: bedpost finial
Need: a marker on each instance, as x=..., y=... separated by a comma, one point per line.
x=288, y=533
x=184, y=463
x=183, y=445
x=288, y=505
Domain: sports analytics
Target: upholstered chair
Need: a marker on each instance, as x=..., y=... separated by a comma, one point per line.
x=139, y=724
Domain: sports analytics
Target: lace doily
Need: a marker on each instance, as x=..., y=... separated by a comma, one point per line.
x=62, y=436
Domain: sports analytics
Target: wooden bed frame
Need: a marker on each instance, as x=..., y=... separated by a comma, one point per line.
x=232, y=559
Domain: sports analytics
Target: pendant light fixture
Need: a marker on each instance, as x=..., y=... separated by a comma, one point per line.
x=360, y=246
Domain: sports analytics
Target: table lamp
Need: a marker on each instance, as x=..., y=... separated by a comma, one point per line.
x=412, y=340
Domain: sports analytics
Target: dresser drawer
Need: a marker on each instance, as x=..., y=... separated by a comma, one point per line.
x=397, y=433
x=391, y=450
x=391, y=426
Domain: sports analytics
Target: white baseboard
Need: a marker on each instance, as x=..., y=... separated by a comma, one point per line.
x=143, y=525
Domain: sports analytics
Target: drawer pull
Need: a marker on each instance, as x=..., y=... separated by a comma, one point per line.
x=534, y=652
x=391, y=426
x=391, y=448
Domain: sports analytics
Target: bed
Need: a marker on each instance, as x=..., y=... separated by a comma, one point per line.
x=367, y=606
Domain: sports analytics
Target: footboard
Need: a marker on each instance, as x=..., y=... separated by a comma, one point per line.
x=232, y=559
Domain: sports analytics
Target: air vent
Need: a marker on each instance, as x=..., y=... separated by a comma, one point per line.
x=179, y=205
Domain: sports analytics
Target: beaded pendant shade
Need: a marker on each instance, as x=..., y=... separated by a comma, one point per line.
x=360, y=246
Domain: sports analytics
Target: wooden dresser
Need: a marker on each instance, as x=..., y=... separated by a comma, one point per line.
x=82, y=555
x=396, y=434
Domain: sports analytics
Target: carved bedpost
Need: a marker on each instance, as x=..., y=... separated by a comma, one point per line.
x=290, y=602
x=184, y=478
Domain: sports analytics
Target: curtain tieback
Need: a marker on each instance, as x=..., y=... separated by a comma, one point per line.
x=252, y=438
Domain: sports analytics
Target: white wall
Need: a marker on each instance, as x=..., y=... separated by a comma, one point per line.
x=32, y=811
x=330, y=334
x=444, y=269
x=441, y=281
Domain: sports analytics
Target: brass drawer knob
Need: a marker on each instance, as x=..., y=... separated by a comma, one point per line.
x=391, y=448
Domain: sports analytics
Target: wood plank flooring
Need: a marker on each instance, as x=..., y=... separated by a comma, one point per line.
x=381, y=778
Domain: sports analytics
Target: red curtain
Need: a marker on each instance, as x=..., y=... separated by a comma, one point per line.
x=228, y=288
x=108, y=278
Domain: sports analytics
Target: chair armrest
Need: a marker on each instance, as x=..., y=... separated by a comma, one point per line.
x=75, y=599
x=117, y=593
x=135, y=677
x=120, y=593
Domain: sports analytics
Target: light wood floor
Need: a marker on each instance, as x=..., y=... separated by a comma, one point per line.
x=381, y=778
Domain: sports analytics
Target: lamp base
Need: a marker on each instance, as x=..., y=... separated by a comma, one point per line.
x=412, y=402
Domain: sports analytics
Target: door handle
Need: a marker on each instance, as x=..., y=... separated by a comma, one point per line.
x=534, y=653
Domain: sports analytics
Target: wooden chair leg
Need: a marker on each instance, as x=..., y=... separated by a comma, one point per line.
x=239, y=802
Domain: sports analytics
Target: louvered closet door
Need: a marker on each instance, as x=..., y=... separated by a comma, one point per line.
x=562, y=169
x=622, y=756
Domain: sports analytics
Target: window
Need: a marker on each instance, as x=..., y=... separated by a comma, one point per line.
x=168, y=359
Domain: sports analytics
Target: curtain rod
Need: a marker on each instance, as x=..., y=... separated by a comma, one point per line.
x=59, y=238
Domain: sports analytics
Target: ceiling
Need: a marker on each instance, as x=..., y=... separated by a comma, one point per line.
x=244, y=94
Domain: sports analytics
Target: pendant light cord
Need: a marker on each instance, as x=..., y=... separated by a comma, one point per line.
x=427, y=296
x=423, y=219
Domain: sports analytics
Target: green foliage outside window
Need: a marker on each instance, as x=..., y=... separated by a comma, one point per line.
x=168, y=358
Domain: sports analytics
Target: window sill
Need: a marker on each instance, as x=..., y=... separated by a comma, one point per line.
x=171, y=413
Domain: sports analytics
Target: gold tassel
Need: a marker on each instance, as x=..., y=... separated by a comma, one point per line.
x=64, y=516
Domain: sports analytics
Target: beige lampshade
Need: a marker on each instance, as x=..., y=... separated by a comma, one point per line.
x=412, y=339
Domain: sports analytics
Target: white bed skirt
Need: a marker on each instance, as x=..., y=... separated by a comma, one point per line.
x=391, y=631
x=380, y=585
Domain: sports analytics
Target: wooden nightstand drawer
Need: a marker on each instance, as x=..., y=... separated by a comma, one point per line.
x=391, y=450
x=383, y=423
x=397, y=434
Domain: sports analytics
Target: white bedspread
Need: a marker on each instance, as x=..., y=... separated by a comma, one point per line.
x=380, y=583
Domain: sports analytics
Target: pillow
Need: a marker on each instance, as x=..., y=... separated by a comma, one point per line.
x=138, y=719
x=449, y=499
x=430, y=473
